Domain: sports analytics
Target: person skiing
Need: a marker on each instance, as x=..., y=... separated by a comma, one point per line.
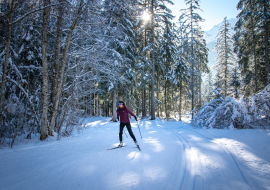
x=123, y=112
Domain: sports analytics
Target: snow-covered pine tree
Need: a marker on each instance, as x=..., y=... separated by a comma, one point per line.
x=181, y=73
x=225, y=58
x=264, y=16
x=9, y=12
x=150, y=32
x=202, y=59
x=246, y=15
x=208, y=88
x=192, y=19
x=167, y=51
x=252, y=46
x=235, y=82
x=120, y=46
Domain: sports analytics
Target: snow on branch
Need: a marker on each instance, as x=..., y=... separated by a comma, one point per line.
x=36, y=10
x=236, y=114
x=26, y=95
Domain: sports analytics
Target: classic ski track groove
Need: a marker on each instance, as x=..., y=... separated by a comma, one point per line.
x=185, y=162
x=177, y=167
x=224, y=150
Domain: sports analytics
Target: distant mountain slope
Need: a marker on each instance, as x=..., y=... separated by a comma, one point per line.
x=211, y=34
x=210, y=37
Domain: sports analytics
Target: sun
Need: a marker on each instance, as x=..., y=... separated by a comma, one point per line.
x=146, y=16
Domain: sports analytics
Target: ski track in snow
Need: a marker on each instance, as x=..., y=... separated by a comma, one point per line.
x=186, y=181
x=190, y=179
x=174, y=156
x=226, y=151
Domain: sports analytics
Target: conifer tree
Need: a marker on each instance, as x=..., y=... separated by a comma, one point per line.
x=252, y=44
x=194, y=35
x=158, y=15
x=181, y=72
x=208, y=88
x=225, y=57
x=235, y=81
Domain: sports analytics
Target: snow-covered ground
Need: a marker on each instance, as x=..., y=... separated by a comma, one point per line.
x=174, y=156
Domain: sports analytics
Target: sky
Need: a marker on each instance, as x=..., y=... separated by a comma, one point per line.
x=214, y=11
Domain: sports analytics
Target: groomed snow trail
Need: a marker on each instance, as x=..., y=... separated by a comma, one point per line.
x=174, y=156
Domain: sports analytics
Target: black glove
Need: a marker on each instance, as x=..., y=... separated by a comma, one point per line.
x=136, y=118
x=118, y=118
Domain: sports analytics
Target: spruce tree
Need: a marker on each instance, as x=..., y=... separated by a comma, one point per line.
x=252, y=44
x=225, y=58
x=208, y=88
x=192, y=19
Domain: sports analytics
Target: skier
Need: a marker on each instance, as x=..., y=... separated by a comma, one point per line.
x=123, y=112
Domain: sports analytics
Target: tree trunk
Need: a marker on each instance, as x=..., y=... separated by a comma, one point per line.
x=107, y=109
x=64, y=61
x=57, y=55
x=200, y=90
x=103, y=106
x=180, y=102
x=4, y=76
x=138, y=105
x=172, y=104
x=165, y=101
x=266, y=41
x=158, y=99
x=44, y=120
x=192, y=63
x=153, y=65
x=143, y=103
x=226, y=59
x=149, y=100
x=254, y=52
x=114, y=106
x=95, y=105
x=98, y=106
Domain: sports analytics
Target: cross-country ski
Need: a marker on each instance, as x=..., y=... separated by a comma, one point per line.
x=117, y=147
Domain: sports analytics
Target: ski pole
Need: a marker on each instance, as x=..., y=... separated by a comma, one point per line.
x=125, y=133
x=139, y=129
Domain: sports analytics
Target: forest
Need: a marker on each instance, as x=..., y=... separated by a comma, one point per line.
x=61, y=60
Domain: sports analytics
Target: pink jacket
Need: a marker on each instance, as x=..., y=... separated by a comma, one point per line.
x=123, y=113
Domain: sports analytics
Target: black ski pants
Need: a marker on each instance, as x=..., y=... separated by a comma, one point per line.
x=122, y=125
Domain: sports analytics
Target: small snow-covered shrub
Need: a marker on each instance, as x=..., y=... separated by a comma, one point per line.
x=71, y=123
x=228, y=114
x=259, y=108
x=205, y=113
x=232, y=113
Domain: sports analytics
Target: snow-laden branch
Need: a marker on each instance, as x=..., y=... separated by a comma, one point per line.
x=36, y=10
x=232, y=113
x=26, y=95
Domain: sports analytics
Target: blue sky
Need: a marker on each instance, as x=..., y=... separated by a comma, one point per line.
x=214, y=11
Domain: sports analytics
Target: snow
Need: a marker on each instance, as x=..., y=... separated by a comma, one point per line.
x=28, y=37
x=174, y=156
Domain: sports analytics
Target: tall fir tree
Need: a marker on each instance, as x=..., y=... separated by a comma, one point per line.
x=191, y=20
x=208, y=88
x=225, y=57
x=252, y=44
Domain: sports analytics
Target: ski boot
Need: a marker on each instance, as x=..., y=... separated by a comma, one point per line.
x=121, y=144
x=137, y=145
